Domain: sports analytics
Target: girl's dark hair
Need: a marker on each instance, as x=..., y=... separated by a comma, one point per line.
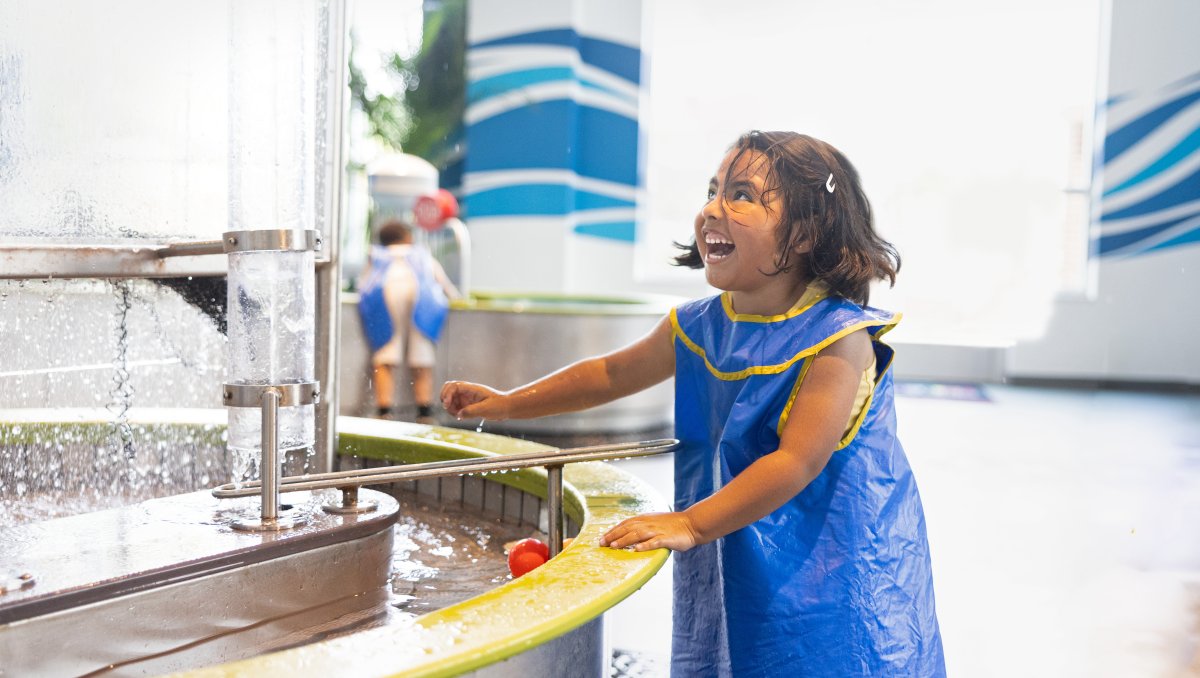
x=846, y=252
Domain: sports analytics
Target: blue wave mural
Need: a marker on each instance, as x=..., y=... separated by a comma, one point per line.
x=1151, y=171
x=571, y=113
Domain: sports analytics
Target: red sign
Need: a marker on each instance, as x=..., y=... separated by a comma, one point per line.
x=431, y=211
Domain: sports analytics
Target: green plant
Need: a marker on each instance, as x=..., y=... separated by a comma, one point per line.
x=423, y=115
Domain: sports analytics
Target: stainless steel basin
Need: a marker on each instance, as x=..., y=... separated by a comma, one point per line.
x=506, y=340
x=166, y=585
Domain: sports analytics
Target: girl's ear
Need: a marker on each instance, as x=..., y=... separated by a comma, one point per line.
x=802, y=247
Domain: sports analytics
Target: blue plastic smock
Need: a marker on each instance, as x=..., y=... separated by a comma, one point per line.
x=431, y=306
x=837, y=581
x=372, y=306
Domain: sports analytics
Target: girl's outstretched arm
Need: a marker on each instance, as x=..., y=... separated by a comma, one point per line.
x=587, y=383
x=818, y=419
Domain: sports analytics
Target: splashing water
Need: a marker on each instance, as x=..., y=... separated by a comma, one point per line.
x=122, y=391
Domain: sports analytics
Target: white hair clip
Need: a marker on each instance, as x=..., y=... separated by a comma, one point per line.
x=829, y=185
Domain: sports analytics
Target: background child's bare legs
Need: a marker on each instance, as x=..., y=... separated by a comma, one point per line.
x=422, y=383
x=385, y=389
x=384, y=385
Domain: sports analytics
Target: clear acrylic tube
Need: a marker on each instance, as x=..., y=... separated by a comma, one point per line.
x=271, y=306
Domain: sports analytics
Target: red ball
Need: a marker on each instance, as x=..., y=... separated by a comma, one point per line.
x=532, y=545
x=520, y=563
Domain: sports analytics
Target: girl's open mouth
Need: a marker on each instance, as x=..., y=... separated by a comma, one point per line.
x=717, y=247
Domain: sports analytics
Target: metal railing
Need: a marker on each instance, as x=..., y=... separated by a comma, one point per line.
x=553, y=460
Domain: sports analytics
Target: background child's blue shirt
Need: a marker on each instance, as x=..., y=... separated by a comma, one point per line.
x=430, y=307
x=837, y=581
x=372, y=306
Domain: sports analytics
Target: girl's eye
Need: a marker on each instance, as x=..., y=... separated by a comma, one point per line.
x=742, y=195
x=712, y=192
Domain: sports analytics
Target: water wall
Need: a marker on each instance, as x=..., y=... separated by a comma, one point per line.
x=132, y=127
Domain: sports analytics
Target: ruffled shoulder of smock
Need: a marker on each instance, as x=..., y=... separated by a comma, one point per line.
x=735, y=345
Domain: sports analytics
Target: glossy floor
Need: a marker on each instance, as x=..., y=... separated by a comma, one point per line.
x=1064, y=526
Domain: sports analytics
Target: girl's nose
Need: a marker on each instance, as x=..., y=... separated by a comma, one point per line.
x=713, y=209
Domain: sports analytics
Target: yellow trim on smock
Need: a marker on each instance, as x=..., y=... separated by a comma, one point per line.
x=678, y=333
x=814, y=292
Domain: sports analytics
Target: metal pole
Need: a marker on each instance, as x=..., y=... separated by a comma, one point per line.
x=191, y=248
x=462, y=238
x=554, y=507
x=329, y=274
x=437, y=469
x=270, y=456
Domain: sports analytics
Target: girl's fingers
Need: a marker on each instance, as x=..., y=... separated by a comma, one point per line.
x=624, y=535
x=613, y=534
x=649, y=544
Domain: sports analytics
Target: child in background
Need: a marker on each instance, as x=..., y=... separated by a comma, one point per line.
x=404, y=298
x=798, y=530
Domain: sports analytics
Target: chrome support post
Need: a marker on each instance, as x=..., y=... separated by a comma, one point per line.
x=554, y=507
x=269, y=467
x=270, y=398
x=462, y=238
x=350, y=503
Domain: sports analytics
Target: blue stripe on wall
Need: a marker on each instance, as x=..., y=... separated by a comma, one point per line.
x=499, y=84
x=1169, y=159
x=510, y=140
x=623, y=231
x=540, y=199
x=1123, y=138
x=620, y=60
x=1192, y=236
x=1107, y=244
x=524, y=138
x=1186, y=190
x=496, y=85
x=608, y=150
x=587, y=200
x=564, y=37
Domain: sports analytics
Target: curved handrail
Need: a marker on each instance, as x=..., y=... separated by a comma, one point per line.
x=453, y=467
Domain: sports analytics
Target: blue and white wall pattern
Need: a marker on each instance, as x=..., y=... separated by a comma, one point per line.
x=1151, y=170
x=552, y=130
x=1140, y=321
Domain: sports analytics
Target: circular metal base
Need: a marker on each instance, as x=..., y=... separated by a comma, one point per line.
x=358, y=507
x=267, y=525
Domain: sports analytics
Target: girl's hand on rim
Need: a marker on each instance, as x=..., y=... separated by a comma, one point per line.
x=653, y=531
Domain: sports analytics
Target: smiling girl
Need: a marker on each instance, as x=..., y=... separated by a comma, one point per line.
x=798, y=529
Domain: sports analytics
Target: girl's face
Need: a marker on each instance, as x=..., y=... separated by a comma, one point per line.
x=737, y=231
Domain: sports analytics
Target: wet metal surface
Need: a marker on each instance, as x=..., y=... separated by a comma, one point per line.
x=94, y=556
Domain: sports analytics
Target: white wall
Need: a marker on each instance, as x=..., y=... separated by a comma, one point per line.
x=963, y=119
x=1143, y=319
